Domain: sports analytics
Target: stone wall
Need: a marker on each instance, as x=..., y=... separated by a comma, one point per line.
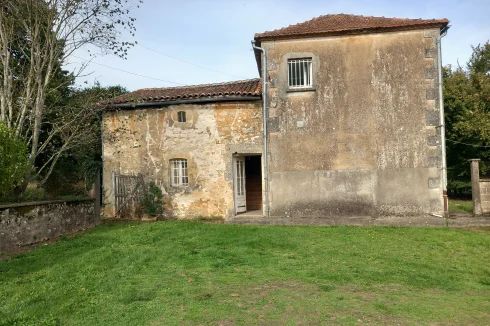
x=364, y=140
x=26, y=223
x=485, y=195
x=145, y=140
x=480, y=190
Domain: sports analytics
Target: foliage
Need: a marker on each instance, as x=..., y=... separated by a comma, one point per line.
x=78, y=149
x=193, y=273
x=14, y=160
x=467, y=117
x=36, y=38
x=153, y=201
x=465, y=206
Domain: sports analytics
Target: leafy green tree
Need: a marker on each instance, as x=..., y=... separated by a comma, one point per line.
x=77, y=148
x=36, y=38
x=467, y=116
x=14, y=160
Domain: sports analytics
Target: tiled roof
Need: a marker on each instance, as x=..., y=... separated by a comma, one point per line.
x=242, y=88
x=348, y=24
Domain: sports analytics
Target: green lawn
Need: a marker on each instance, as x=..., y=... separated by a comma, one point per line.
x=457, y=205
x=170, y=273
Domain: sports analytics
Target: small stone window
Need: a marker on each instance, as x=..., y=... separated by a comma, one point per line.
x=300, y=73
x=181, y=116
x=178, y=173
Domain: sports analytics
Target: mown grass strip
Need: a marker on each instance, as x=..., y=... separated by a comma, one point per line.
x=198, y=273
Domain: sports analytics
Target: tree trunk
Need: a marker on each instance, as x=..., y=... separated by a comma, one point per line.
x=38, y=117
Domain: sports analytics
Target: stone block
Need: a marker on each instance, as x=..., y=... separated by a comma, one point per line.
x=434, y=161
x=433, y=140
x=485, y=206
x=431, y=93
x=273, y=124
x=483, y=189
x=432, y=117
x=430, y=73
x=434, y=183
x=430, y=52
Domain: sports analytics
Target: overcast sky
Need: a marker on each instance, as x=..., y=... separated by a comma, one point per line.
x=216, y=34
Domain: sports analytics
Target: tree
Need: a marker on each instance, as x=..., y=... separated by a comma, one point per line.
x=36, y=37
x=14, y=160
x=467, y=116
x=77, y=145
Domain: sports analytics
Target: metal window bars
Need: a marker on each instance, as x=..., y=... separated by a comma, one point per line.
x=300, y=73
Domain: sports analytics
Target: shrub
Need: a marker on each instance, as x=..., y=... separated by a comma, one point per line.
x=152, y=203
x=14, y=160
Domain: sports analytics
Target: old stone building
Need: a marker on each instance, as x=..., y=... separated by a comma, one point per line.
x=353, y=128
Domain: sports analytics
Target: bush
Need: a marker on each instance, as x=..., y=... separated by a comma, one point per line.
x=152, y=203
x=14, y=160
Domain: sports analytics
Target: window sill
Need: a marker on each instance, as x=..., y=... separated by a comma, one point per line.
x=296, y=90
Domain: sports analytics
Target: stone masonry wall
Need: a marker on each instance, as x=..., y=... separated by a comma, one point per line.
x=485, y=195
x=26, y=223
x=145, y=140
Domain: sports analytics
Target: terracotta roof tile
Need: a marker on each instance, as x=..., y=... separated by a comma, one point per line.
x=249, y=87
x=348, y=24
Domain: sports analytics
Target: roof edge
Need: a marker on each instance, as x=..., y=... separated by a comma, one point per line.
x=148, y=104
x=358, y=31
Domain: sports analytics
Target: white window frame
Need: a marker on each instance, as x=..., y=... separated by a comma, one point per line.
x=178, y=173
x=300, y=73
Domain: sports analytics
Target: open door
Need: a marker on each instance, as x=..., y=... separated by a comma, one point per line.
x=240, y=196
x=253, y=183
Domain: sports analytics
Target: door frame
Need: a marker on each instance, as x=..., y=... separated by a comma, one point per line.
x=234, y=159
x=235, y=185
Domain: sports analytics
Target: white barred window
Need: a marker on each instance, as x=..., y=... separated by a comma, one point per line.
x=299, y=73
x=178, y=172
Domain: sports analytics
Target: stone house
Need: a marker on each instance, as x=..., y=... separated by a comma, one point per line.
x=352, y=106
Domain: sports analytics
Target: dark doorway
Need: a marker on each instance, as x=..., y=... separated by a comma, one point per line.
x=253, y=182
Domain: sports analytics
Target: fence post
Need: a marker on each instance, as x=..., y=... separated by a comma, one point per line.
x=475, y=186
x=97, y=197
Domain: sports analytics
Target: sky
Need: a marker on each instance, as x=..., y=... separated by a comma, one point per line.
x=215, y=36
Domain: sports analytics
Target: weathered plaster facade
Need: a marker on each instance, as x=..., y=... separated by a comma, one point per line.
x=364, y=139
x=145, y=140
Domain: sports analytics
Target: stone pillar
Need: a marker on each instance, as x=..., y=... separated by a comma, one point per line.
x=475, y=186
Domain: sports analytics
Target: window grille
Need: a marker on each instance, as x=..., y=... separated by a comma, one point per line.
x=179, y=172
x=181, y=116
x=299, y=73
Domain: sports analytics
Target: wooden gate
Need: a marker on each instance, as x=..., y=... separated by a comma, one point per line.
x=129, y=190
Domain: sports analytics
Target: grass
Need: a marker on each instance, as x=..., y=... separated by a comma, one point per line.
x=170, y=273
x=458, y=205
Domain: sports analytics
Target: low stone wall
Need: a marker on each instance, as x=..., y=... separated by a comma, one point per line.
x=485, y=195
x=27, y=223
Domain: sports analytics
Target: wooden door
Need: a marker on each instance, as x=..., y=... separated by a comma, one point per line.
x=240, y=195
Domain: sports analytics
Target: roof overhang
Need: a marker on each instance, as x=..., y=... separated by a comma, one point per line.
x=258, y=39
x=154, y=104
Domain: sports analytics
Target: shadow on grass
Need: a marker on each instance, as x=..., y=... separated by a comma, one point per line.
x=63, y=251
